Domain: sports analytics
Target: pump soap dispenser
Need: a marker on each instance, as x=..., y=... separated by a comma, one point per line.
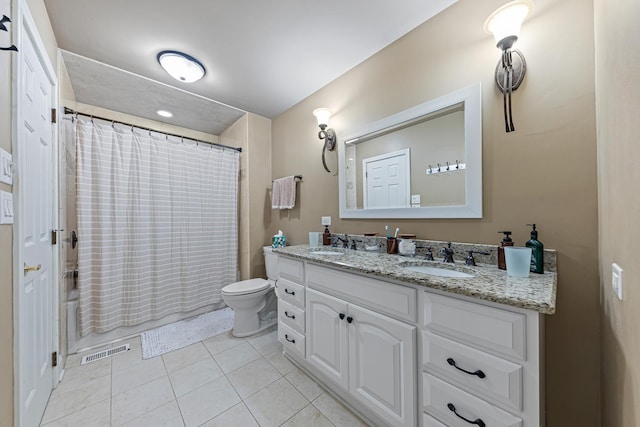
x=506, y=241
x=326, y=236
x=537, y=251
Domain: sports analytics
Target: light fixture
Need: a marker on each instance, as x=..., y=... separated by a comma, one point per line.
x=505, y=25
x=181, y=66
x=164, y=113
x=325, y=133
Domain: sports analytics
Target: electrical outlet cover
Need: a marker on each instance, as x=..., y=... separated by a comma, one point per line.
x=6, y=175
x=6, y=208
x=415, y=198
x=326, y=220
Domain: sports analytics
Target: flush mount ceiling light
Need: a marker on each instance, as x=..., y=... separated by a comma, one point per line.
x=505, y=25
x=181, y=66
x=325, y=133
x=164, y=113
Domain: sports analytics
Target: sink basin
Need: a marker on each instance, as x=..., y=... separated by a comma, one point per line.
x=326, y=253
x=435, y=271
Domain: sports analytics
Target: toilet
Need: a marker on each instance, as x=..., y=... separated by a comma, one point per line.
x=254, y=301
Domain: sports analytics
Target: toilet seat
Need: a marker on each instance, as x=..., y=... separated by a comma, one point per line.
x=246, y=287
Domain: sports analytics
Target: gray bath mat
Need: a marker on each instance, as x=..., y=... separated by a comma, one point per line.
x=185, y=332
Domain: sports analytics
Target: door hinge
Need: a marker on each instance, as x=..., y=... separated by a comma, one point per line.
x=53, y=115
x=54, y=237
x=54, y=359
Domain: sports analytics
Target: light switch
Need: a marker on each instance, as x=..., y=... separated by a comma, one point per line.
x=415, y=199
x=6, y=208
x=616, y=279
x=6, y=174
x=326, y=220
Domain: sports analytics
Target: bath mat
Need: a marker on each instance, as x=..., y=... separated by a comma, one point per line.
x=180, y=334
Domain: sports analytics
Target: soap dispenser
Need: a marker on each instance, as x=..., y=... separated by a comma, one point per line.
x=506, y=241
x=537, y=251
x=326, y=236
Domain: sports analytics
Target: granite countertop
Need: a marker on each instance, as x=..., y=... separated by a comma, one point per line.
x=537, y=292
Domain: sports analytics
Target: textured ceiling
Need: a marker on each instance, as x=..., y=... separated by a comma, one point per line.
x=262, y=56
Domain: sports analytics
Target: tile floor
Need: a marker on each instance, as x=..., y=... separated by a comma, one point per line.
x=223, y=381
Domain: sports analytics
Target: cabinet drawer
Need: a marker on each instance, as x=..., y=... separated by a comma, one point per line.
x=383, y=297
x=441, y=399
x=291, y=315
x=290, y=292
x=491, y=377
x=292, y=340
x=492, y=329
x=291, y=269
x=429, y=421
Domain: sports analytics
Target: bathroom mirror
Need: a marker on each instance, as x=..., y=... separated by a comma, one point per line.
x=423, y=162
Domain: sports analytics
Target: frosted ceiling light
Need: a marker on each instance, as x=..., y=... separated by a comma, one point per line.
x=164, y=113
x=181, y=66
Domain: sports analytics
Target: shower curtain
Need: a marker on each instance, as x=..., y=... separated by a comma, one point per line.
x=157, y=224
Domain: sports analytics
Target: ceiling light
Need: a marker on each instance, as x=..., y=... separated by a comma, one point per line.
x=164, y=113
x=181, y=66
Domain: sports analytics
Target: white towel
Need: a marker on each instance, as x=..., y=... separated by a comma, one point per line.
x=283, y=195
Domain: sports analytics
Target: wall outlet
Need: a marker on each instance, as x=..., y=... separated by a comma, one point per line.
x=415, y=199
x=616, y=279
x=6, y=208
x=6, y=174
x=326, y=220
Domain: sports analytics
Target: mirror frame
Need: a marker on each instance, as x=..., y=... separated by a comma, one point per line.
x=471, y=96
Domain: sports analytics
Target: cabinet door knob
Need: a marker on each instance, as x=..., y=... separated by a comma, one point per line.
x=479, y=373
x=287, y=291
x=341, y=316
x=290, y=316
x=477, y=421
x=349, y=319
x=286, y=337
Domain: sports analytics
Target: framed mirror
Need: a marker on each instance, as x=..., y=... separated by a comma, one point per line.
x=423, y=162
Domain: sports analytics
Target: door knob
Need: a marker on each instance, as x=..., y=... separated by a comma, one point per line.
x=28, y=268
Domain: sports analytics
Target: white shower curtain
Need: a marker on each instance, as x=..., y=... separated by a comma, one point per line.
x=157, y=224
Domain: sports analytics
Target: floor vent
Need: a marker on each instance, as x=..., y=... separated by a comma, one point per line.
x=104, y=354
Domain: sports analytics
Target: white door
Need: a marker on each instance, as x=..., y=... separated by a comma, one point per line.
x=387, y=180
x=327, y=335
x=382, y=365
x=36, y=278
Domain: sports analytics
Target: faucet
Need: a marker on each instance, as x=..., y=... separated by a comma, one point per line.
x=428, y=256
x=345, y=241
x=353, y=243
x=470, y=260
x=447, y=253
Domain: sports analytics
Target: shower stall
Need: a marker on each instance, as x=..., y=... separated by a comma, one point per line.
x=156, y=222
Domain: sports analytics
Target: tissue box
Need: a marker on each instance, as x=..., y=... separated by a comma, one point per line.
x=278, y=241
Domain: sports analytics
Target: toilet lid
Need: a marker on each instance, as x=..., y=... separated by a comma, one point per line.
x=246, y=287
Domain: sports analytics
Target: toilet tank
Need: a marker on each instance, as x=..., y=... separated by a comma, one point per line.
x=271, y=263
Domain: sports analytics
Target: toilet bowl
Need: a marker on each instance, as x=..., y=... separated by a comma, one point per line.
x=254, y=301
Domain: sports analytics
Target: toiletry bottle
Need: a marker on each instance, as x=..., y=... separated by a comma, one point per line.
x=326, y=236
x=537, y=251
x=506, y=241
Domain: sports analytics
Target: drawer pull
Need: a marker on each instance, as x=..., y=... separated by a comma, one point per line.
x=349, y=319
x=341, y=316
x=286, y=337
x=287, y=291
x=290, y=316
x=479, y=373
x=477, y=422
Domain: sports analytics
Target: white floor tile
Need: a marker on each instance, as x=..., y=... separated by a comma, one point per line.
x=266, y=342
x=233, y=358
x=139, y=374
x=253, y=376
x=207, y=402
x=74, y=396
x=281, y=363
x=184, y=357
x=96, y=415
x=336, y=412
x=238, y=416
x=222, y=342
x=140, y=400
x=194, y=376
x=276, y=403
x=304, y=384
x=89, y=372
x=168, y=415
x=308, y=417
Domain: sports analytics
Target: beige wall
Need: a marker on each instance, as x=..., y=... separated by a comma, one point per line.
x=618, y=109
x=545, y=172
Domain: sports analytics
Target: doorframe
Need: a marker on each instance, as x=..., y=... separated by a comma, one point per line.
x=24, y=23
x=406, y=152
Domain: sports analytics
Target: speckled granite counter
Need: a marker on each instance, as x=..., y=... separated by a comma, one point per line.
x=537, y=292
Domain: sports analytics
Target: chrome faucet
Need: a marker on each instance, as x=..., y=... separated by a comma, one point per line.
x=345, y=241
x=470, y=260
x=447, y=253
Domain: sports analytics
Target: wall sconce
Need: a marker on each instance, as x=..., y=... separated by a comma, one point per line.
x=326, y=133
x=505, y=25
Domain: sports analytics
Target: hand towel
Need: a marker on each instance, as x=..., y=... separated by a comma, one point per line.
x=283, y=195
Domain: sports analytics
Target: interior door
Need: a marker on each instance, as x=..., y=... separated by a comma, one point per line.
x=35, y=138
x=386, y=180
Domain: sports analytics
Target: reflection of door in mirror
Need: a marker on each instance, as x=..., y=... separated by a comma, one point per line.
x=386, y=180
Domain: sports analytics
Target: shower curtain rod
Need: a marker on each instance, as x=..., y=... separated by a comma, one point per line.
x=68, y=110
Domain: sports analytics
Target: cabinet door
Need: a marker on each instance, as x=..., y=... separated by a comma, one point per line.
x=327, y=335
x=382, y=365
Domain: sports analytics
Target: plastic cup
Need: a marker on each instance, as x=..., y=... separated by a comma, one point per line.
x=518, y=261
x=314, y=237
